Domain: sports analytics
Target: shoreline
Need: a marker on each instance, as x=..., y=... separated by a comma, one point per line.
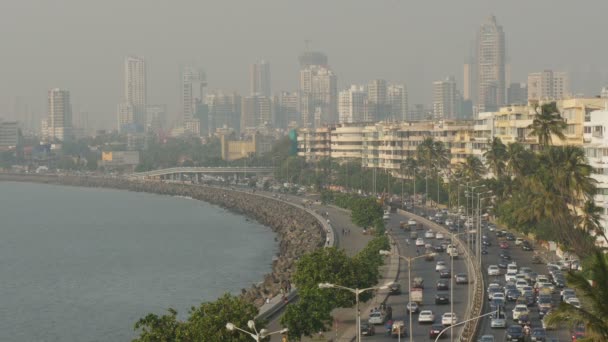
x=298, y=231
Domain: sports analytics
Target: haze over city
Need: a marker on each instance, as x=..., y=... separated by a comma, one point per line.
x=81, y=46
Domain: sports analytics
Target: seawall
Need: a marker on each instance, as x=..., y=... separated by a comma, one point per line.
x=298, y=231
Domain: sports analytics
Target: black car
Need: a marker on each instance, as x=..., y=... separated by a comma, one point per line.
x=514, y=333
x=395, y=289
x=538, y=335
x=435, y=330
x=526, y=246
x=367, y=329
x=484, y=250
x=505, y=255
x=502, y=264
x=486, y=242
x=443, y=285
x=510, y=237
x=445, y=274
x=512, y=295
x=438, y=249
x=500, y=233
x=442, y=298
x=461, y=278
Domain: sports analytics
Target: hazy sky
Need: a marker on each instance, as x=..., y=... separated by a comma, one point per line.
x=80, y=44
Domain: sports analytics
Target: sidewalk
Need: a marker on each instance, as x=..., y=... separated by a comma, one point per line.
x=345, y=327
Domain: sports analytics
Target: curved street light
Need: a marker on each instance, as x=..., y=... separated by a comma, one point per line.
x=357, y=292
x=258, y=336
x=409, y=275
x=463, y=322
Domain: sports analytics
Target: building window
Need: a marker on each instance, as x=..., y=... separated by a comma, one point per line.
x=570, y=129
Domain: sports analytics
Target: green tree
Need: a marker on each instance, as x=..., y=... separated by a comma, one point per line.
x=518, y=159
x=471, y=169
x=154, y=328
x=589, y=219
x=591, y=289
x=364, y=211
x=547, y=123
x=496, y=157
x=425, y=157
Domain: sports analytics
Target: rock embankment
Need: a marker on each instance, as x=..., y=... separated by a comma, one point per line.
x=298, y=231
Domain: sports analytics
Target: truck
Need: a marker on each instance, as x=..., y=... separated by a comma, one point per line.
x=417, y=295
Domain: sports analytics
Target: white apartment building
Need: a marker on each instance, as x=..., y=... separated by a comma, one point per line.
x=318, y=96
x=596, y=150
x=548, y=85
x=58, y=125
x=347, y=141
x=352, y=104
x=398, y=101
x=446, y=104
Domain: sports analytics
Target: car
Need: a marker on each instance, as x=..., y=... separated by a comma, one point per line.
x=445, y=274
x=574, y=302
x=439, y=236
x=512, y=295
x=496, y=303
x=426, y=316
x=544, y=302
x=412, y=307
x=461, y=278
x=440, y=266
x=395, y=289
x=518, y=310
x=510, y=276
x=499, y=295
x=538, y=335
x=567, y=292
x=367, y=329
x=484, y=250
x=491, y=227
x=449, y=318
x=514, y=333
x=505, y=255
x=376, y=317
x=419, y=242
x=435, y=330
x=524, y=320
x=519, y=241
x=493, y=270
x=502, y=264
x=503, y=245
x=486, y=242
x=442, y=285
x=500, y=233
x=486, y=338
x=442, y=298
x=438, y=249
x=449, y=222
x=398, y=329
x=498, y=320
x=412, y=223
x=526, y=246
x=429, y=234
x=510, y=237
x=520, y=284
x=578, y=332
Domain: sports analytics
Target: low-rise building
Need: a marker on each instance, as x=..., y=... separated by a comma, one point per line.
x=119, y=159
x=10, y=135
x=233, y=149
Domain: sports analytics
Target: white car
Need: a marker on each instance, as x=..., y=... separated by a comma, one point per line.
x=520, y=284
x=412, y=307
x=440, y=266
x=412, y=222
x=512, y=267
x=519, y=241
x=376, y=317
x=493, y=270
x=492, y=228
x=498, y=320
x=500, y=296
x=419, y=242
x=449, y=318
x=510, y=276
x=439, y=236
x=574, y=302
x=426, y=316
x=449, y=222
x=520, y=310
x=429, y=234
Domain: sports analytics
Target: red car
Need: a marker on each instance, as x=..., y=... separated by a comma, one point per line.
x=435, y=330
x=504, y=244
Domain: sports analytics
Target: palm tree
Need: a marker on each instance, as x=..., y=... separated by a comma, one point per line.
x=496, y=157
x=589, y=219
x=411, y=167
x=547, y=123
x=570, y=171
x=440, y=161
x=471, y=169
x=593, y=313
x=516, y=159
x=425, y=154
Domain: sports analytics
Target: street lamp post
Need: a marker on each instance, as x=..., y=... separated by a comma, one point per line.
x=409, y=283
x=258, y=336
x=463, y=322
x=479, y=199
x=357, y=292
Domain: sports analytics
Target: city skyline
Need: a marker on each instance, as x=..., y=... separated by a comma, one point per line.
x=429, y=56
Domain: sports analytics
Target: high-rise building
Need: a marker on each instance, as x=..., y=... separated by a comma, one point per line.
x=59, y=119
x=397, y=101
x=312, y=58
x=517, y=93
x=193, y=84
x=377, y=100
x=156, y=116
x=224, y=111
x=259, y=78
x=548, y=85
x=490, y=66
x=126, y=117
x=446, y=99
x=286, y=112
x=10, y=135
x=255, y=111
x=352, y=104
x=468, y=89
x=136, y=86
x=318, y=95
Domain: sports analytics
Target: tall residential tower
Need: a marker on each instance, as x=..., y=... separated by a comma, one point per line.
x=490, y=66
x=259, y=78
x=58, y=125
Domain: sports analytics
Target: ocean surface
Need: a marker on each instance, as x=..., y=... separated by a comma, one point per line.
x=84, y=264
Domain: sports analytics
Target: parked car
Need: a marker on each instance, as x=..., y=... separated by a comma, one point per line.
x=449, y=318
x=376, y=317
x=442, y=298
x=514, y=333
x=426, y=316
x=367, y=329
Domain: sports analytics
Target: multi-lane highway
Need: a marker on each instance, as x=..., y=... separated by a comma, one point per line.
x=426, y=270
